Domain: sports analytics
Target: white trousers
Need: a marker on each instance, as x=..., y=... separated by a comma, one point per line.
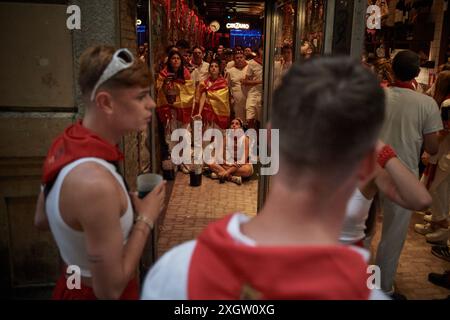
x=439, y=190
x=395, y=228
x=253, y=106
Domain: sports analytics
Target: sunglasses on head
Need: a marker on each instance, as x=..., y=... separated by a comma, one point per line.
x=122, y=59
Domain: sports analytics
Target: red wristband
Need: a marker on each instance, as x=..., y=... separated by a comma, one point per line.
x=386, y=153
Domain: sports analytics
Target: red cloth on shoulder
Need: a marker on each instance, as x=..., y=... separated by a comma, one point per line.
x=61, y=292
x=212, y=85
x=223, y=268
x=74, y=143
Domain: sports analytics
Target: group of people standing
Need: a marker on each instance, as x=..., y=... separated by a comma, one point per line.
x=189, y=88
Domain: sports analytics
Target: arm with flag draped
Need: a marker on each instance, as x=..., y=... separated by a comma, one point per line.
x=174, y=94
x=216, y=105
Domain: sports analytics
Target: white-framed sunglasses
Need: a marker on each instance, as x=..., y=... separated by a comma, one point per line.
x=122, y=59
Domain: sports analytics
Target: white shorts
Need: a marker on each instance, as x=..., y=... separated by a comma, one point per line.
x=253, y=106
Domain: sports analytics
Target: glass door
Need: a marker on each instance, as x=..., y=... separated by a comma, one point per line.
x=281, y=23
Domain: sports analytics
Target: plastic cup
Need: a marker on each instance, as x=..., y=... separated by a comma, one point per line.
x=147, y=182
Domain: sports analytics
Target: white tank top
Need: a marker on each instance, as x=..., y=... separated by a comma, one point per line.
x=355, y=218
x=71, y=242
x=232, y=155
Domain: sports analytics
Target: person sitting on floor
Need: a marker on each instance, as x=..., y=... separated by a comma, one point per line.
x=236, y=170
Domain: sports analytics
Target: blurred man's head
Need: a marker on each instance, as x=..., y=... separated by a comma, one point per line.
x=248, y=53
x=187, y=56
x=406, y=65
x=239, y=59
x=329, y=126
x=197, y=55
x=306, y=49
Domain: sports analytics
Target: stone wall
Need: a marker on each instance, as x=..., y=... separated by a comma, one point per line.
x=135, y=145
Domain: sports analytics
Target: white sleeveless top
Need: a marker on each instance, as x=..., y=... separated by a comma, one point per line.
x=72, y=243
x=355, y=218
x=229, y=156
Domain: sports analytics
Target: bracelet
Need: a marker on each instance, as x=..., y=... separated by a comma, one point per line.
x=145, y=220
x=386, y=153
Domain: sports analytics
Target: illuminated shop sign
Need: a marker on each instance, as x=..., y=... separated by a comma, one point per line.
x=238, y=25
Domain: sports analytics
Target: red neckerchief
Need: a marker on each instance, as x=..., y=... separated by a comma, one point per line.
x=74, y=143
x=187, y=75
x=258, y=60
x=406, y=84
x=212, y=85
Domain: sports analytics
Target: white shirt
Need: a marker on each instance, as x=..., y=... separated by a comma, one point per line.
x=255, y=72
x=200, y=72
x=234, y=78
x=409, y=116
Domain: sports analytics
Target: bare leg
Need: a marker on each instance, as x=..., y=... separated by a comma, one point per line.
x=245, y=171
x=216, y=168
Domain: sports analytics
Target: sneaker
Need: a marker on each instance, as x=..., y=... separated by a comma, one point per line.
x=442, y=252
x=440, y=235
x=237, y=180
x=424, y=229
x=214, y=175
x=441, y=280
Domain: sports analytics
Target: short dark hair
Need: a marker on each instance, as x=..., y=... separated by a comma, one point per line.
x=329, y=111
x=406, y=65
x=216, y=61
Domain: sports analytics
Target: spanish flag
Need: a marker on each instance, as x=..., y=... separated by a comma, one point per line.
x=218, y=109
x=184, y=91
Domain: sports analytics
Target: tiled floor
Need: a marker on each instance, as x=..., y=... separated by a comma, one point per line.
x=416, y=262
x=192, y=208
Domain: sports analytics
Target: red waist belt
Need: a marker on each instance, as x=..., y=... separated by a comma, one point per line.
x=61, y=292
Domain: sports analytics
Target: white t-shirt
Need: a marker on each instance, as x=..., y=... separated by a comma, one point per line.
x=230, y=64
x=255, y=72
x=409, y=116
x=201, y=72
x=234, y=78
